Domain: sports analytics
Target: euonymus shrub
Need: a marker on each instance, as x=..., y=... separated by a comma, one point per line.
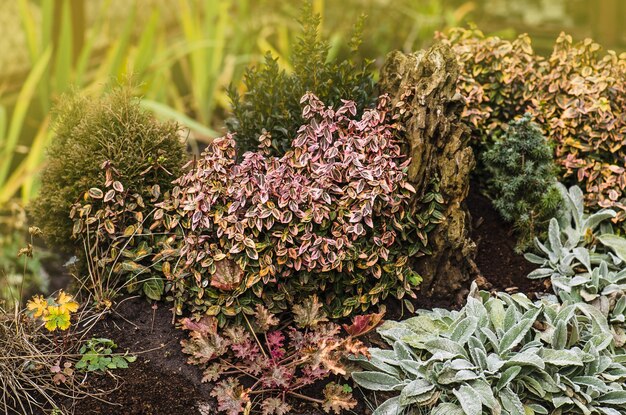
x=334, y=216
x=498, y=355
x=577, y=95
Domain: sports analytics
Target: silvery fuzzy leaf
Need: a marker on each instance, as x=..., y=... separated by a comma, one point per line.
x=554, y=238
x=620, y=306
x=377, y=381
x=389, y=407
x=425, y=323
x=613, y=398
x=469, y=400
x=411, y=393
x=511, y=402
x=460, y=364
x=527, y=358
x=445, y=345
x=598, y=217
x=515, y=334
x=511, y=317
x=411, y=367
x=447, y=408
x=492, y=338
x=591, y=382
x=551, y=257
x=609, y=411
x=596, y=317
x=395, y=333
x=611, y=289
x=537, y=409
x=559, y=337
x=521, y=300
x=442, y=355
x=561, y=400
x=582, y=255
x=495, y=308
x=402, y=351
x=616, y=243
x=534, y=258
x=588, y=297
x=533, y=385
x=494, y=362
x=464, y=329
x=486, y=394
x=476, y=309
x=479, y=357
x=375, y=363
x=576, y=200
x=465, y=375
x=580, y=279
x=601, y=341
x=508, y=376
x=540, y=273
x=561, y=283
x=562, y=357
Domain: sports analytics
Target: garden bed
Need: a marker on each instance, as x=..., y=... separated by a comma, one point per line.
x=160, y=382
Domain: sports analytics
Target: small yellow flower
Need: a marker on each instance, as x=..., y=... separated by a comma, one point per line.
x=66, y=303
x=38, y=306
x=57, y=319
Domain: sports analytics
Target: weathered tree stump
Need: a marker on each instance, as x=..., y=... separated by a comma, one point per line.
x=437, y=142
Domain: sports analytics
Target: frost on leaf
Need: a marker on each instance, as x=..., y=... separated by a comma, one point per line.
x=232, y=398
x=204, y=344
x=228, y=275
x=264, y=319
x=310, y=313
x=275, y=406
x=338, y=398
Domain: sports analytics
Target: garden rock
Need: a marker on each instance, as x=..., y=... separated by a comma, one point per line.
x=424, y=84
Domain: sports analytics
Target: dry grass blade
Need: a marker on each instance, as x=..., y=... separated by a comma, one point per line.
x=27, y=355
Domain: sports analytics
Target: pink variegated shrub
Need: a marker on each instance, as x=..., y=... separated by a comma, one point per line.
x=335, y=216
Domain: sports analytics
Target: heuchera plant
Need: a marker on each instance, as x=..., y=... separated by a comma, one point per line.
x=276, y=363
x=577, y=96
x=335, y=216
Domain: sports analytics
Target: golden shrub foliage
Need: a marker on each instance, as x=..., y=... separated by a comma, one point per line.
x=577, y=95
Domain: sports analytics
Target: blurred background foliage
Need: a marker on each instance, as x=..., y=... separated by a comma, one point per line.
x=183, y=54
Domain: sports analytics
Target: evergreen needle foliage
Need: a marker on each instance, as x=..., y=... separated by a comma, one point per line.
x=272, y=101
x=96, y=141
x=523, y=182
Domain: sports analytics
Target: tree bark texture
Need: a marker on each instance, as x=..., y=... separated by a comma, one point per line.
x=424, y=84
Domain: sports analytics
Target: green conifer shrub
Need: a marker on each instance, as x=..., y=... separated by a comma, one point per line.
x=523, y=180
x=271, y=102
x=108, y=142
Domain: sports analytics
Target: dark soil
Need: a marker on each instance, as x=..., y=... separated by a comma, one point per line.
x=161, y=383
x=501, y=267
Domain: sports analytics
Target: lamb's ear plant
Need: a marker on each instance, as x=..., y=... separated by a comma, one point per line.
x=584, y=260
x=499, y=354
